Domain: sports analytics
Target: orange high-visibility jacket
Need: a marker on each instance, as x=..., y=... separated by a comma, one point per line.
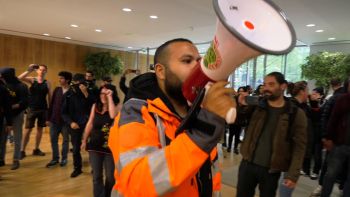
x=144, y=164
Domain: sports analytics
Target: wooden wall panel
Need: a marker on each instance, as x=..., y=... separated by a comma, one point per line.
x=19, y=52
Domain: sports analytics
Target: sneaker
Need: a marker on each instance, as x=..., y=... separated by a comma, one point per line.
x=23, y=155
x=2, y=163
x=317, y=191
x=38, y=152
x=313, y=176
x=15, y=165
x=63, y=162
x=76, y=173
x=236, y=151
x=228, y=150
x=304, y=173
x=52, y=163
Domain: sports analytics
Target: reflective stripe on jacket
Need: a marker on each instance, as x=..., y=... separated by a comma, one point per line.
x=145, y=164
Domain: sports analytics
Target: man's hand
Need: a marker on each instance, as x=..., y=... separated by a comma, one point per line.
x=31, y=67
x=288, y=183
x=74, y=125
x=218, y=99
x=84, y=90
x=242, y=98
x=327, y=144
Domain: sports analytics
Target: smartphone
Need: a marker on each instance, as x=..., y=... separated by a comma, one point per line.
x=36, y=66
x=252, y=100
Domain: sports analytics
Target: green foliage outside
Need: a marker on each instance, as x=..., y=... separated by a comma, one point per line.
x=323, y=67
x=103, y=64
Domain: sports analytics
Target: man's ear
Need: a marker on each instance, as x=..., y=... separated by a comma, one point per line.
x=160, y=71
x=284, y=86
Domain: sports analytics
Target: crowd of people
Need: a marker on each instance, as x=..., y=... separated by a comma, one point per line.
x=137, y=147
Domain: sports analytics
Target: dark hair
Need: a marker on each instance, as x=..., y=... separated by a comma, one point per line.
x=245, y=89
x=295, y=88
x=99, y=104
x=319, y=90
x=278, y=76
x=257, y=90
x=335, y=82
x=78, y=77
x=89, y=71
x=66, y=75
x=43, y=65
x=161, y=52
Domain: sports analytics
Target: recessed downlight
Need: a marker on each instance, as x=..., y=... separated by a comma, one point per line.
x=153, y=17
x=310, y=25
x=129, y=47
x=74, y=25
x=46, y=34
x=68, y=38
x=331, y=38
x=127, y=9
x=319, y=31
x=98, y=30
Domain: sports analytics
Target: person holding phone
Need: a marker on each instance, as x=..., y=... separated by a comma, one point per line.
x=39, y=96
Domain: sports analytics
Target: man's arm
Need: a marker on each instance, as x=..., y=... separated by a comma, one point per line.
x=299, y=130
x=24, y=75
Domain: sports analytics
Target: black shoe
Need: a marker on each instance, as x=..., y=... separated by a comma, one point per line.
x=38, y=152
x=236, y=151
x=63, y=162
x=228, y=150
x=23, y=155
x=52, y=163
x=76, y=173
x=2, y=163
x=15, y=165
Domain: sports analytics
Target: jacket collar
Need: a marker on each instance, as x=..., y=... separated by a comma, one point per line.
x=288, y=107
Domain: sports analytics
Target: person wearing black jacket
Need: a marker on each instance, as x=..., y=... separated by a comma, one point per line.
x=77, y=102
x=18, y=102
x=4, y=113
x=337, y=142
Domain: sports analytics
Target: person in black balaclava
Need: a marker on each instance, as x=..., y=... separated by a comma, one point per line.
x=18, y=92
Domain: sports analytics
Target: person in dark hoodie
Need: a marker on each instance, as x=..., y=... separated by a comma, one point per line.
x=18, y=102
x=5, y=112
x=77, y=102
x=151, y=158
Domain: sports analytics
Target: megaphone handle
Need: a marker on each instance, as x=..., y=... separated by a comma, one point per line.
x=192, y=112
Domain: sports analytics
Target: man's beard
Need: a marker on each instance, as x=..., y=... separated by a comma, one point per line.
x=173, y=87
x=272, y=96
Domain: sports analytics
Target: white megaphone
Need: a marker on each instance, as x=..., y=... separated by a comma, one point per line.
x=245, y=29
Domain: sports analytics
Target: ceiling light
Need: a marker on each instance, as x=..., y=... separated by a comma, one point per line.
x=310, y=25
x=319, y=31
x=74, y=25
x=153, y=17
x=46, y=34
x=129, y=47
x=127, y=10
x=331, y=38
x=68, y=38
x=98, y=30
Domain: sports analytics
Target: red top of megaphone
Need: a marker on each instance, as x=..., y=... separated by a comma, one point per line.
x=194, y=83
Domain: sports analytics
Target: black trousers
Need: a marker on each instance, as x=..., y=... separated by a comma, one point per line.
x=250, y=175
x=76, y=137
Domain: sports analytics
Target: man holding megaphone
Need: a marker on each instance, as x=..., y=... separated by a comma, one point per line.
x=151, y=158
